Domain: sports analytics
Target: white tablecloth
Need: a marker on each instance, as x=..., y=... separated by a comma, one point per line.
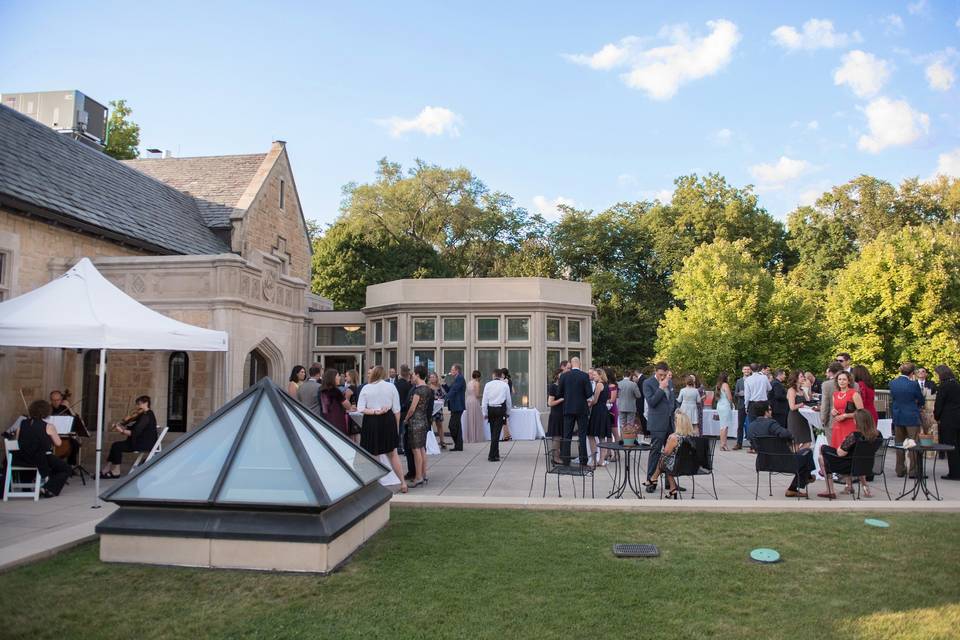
x=524, y=425
x=813, y=417
x=712, y=427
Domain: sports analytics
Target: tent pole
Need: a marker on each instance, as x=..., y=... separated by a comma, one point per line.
x=101, y=379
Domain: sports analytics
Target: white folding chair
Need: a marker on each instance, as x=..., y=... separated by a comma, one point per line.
x=19, y=489
x=161, y=431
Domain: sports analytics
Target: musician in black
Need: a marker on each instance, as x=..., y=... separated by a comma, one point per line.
x=60, y=406
x=140, y=427
x=36, y=439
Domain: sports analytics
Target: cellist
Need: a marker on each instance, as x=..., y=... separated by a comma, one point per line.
x=140, y=427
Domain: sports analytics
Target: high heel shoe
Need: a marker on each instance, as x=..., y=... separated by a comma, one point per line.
x=673, y=494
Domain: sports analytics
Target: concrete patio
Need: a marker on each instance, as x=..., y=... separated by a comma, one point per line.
x=30, y=530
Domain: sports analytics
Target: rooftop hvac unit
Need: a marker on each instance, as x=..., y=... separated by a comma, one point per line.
x=69, y=112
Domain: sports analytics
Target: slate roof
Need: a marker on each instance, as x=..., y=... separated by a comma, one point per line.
x=217, y=182
x=57, y=177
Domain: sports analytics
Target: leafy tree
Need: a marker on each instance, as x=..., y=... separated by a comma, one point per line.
x=123, y=135
x=346, y=261
x=900, y=300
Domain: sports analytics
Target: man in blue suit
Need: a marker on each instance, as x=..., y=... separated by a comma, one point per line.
x=661, y=403
x=456, y=403
x=574, y=387
x=906, y=400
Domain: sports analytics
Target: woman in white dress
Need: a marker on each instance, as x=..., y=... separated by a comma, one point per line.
x=724, y=407
x=689, y=399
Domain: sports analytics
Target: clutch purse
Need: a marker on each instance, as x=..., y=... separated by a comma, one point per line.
x=850, y=408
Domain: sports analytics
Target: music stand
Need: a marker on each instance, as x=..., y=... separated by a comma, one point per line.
x=80, y=430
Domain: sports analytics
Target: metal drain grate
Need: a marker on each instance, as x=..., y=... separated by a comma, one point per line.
x=636, y=550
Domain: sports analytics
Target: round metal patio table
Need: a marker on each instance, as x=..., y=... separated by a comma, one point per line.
x=920, y=471
x=629, y=475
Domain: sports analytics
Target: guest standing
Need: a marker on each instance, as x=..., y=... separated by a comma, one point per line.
x=495, y=405
x=352, y=386
x=379, y=402
x=297, y=376
x=402, y=383
x=599, y=425
x=555, y=420
x=797, y=425
x=505, y=376
x=826, y=399
x=846, y=401
x=474, y=414
x=724, y=396
x=926, y=386
x=906, y=400
x=628, y=396
x=660, y=401
x=778, y=398
x=334, y=406
x=865, y=386
x=574, y=388
x=37, y=439
x=946, y=411
x=441, y=395
x=418, y=422
x=308, y=393
x=456, y=403
x=613, y=409
x=739, y=394
x=756, y=388
x=689, y=399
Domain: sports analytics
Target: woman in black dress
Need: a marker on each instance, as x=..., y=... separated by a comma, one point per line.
x=555, y=421
x=599, y=426
x=865, y=430
x=946, y=411
x=141, y=436
x=379, y=402
x=36, y=439
x=797, y=425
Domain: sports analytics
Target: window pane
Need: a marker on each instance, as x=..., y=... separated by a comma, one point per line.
x=352, y=336
x=553, y=329
x=378, y=357
x=487, y=361
x=352, y=456
x=518, y=362
x=488, y=329
x=518, y=329
x=453, y=329
x=452, y=357
x=553, y=363
x=392, y=333
x=265, y=469
x=573, y=330
x=378, y=331
x=574, y=353
x=425, y=357
x=337, y=481
x=424, y=330
x=391, y=359
x=190, y=471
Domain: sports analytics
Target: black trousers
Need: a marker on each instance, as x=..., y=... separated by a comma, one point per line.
x=807, y=468
x=496, y=416
x=55, y=470
x=949, y=435
x=569, y=420
x=658, y=439
x=456, y=429
x=408, y=452
x=781, y=419
x=741, y=422
x=117, y=449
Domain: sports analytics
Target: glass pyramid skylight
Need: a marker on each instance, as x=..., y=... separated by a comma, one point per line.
x=264, y=449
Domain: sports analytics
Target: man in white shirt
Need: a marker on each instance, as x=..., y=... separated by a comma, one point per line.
x=756, y=388
x=495, y=405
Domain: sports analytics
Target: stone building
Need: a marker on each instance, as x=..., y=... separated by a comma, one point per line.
x=219, y=242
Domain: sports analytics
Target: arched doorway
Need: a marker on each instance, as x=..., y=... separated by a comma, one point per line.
x=177, y=384
x=255, y=367
x=91, y=388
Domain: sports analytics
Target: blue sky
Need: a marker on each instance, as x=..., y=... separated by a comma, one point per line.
x=585, y=103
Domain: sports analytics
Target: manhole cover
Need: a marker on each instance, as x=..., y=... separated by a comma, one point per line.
x=636, y=550
x=765, y=556
x=873, y=522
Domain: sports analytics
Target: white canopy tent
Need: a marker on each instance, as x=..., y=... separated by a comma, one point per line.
x=82, y=310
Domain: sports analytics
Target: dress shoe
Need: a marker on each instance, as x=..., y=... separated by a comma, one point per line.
x=795, y=494
x=651, y=488
x=737, y=447
x=679, y=488
x=900, y=474
x=493, y=459
x=458, y=449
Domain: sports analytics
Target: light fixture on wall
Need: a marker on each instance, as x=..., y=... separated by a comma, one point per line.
x=352, y=327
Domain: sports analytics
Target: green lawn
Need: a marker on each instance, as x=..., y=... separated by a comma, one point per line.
x=533, y=574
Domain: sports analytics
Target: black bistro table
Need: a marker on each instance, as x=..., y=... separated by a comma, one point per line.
x=629, y=475
x=920, y=471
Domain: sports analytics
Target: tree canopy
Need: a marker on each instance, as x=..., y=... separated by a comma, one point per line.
x=123, y=135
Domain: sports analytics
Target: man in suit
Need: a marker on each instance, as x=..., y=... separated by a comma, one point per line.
x=308, y=394
x=574, y=387
x=778, y=398
x=925, y=384
x=627, y=395
x=827, y=389
x=906, y=400
x=740, y=399
x=456, y=402
x=661, y=403
x=403, y=385
x=763, y=425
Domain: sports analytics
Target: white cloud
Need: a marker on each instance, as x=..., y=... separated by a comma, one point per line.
x=432, y=121
x=814, y=34
x=723, y=136
x=550, y=209
x=892, y=123
x=660, y=71
x=948, y=164
x=893, y=23
x=863, y=72
x=914, y=8
x=813, y=125
x=775, y=176
x=940, y=75
x=625, y=180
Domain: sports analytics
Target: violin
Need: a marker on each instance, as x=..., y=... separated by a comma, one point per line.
x=128, y=421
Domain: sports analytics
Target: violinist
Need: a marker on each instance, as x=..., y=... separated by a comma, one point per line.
x=140, y=427
x=37, y=438
x=60, y=406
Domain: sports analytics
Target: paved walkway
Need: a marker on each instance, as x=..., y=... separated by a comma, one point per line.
x=29, y=530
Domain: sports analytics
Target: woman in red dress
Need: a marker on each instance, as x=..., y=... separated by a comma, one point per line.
x=846, y=401
x=865, y=383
